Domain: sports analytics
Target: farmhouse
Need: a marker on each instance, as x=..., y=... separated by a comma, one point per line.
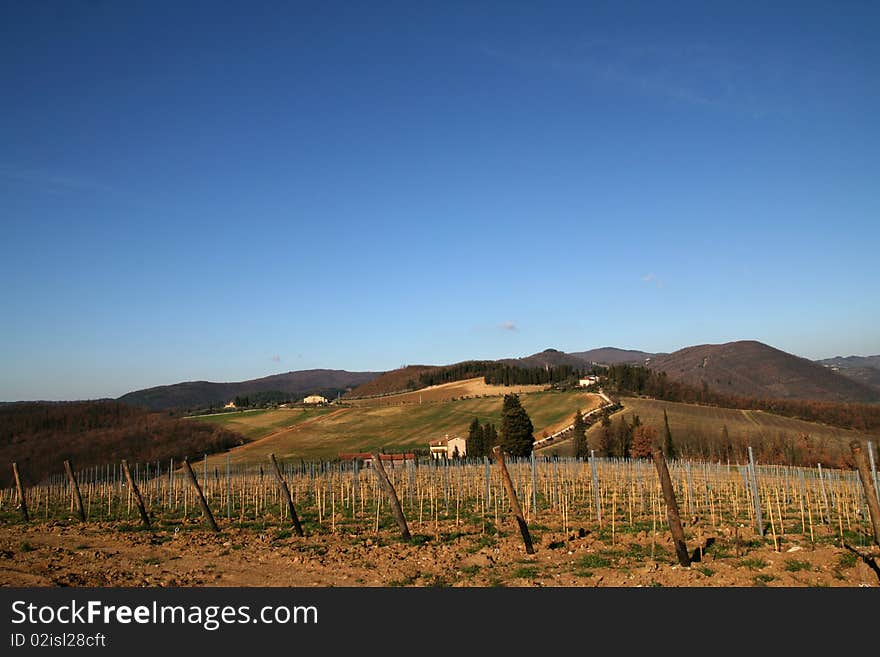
x=448, y=447
x=588, y=381
x=230, y=405
x=315, y=399
x=365, y=459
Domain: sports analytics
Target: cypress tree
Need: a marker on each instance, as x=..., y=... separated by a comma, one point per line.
x=668, y=446
x=516, y=427
x=490, y=438
x=475, y=442
x=579, y=436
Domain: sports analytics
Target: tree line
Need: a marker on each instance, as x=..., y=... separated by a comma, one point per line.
x=495, y=373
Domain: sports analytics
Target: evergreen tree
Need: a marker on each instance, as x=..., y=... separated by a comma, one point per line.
x=606, y=437
x=475, y=441
x=490, y=438
x=668, y=446
x=579, y=436
x=516, y=427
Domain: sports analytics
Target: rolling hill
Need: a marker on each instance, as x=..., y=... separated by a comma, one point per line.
x=546, y=358
x=754, y=369
x=202, y=394
x=614, y=356
x=394, y=423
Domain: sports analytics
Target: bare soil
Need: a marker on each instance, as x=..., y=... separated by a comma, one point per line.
x=71, y=554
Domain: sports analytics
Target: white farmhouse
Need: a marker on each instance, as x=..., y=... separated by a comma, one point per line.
x=448, y=447
x=315, y=399
x=588, y=381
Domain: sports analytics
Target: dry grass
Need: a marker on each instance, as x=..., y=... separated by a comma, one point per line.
x=475, y=387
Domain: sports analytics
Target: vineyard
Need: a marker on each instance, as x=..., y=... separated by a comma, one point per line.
x=727, y=508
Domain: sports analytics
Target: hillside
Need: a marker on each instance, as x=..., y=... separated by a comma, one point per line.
x=546, y=358
x=402, y=424
x=613, y=356
x=399, y=380
x=40, y=436
x=712, y=433
x=204, y=394
x=864, y=369
x=754, y=369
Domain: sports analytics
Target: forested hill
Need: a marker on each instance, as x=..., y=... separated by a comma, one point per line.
x=754, y=369
x=291, y=386
x=40, y=436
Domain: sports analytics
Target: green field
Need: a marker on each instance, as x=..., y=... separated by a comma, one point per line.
x=327, y=432
x=256, y=424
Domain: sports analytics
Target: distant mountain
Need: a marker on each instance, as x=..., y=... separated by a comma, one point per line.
x=754, y=369
x=203, y=394
x=864, y=369
x=614, y=356
x=546, y=358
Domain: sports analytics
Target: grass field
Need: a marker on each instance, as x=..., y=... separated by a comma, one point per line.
x=475, y=387
x=257, y=424
x=326, y=432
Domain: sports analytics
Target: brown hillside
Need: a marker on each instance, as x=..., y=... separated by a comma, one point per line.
x=399, y=380
x=754, y=369
x=546, y=358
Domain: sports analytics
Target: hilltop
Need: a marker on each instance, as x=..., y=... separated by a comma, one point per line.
x=747, y=368
x=754, y=369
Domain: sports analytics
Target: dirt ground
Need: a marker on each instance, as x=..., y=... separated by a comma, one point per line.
x=70, y=554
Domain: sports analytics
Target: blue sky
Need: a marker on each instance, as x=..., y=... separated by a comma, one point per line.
x=222, y=191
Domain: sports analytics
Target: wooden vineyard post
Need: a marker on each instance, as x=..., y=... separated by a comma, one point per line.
x=395, y=502
x=514, y=503
x=595, y=475
x=756, y=498
x=873, y=469
x=284, y=489
x=671, y=509
x=868, y=485
x=132, y=486
x=20, y=489
x=205, y=508
x=79, y=502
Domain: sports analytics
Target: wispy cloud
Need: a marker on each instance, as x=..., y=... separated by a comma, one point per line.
x=276, y=358
x=652, y=278
x=507, y=326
